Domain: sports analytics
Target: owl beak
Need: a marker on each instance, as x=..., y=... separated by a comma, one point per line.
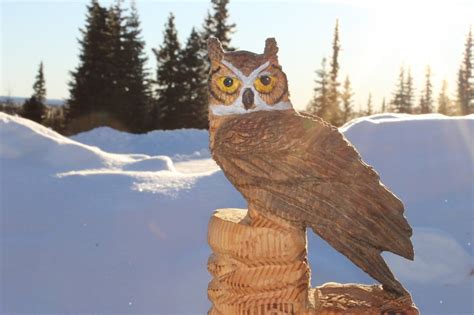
x=248, y=98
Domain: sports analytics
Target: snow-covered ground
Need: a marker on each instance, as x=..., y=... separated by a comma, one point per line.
x=109, y=222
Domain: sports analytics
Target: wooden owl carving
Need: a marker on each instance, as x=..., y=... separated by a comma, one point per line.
x=298, y=167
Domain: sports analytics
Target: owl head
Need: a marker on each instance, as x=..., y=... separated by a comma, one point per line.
x=242, y=82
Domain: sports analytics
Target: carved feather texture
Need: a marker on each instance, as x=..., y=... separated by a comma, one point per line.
x=304, y=171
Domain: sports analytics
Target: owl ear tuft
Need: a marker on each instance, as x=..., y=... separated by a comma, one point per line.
x=214, y=49
x=271, y=48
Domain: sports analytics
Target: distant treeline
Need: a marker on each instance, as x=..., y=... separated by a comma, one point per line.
x=335, y=104
x=111, y=85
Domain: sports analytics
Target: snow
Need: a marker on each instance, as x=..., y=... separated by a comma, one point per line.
x=179, y=144
x=431, y=266
x=110, y=222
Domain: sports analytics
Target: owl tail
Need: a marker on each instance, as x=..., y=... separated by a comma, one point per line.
x=368, y=259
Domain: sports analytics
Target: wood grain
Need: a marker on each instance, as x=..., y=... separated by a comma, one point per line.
x=256, y=269
x=261, y=267
x=301, y=170
x=296, y=172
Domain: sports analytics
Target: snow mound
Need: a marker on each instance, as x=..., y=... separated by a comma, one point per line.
x=87, y=231
x=435, y=153
x=181, y=144
x=24, y=140
x=151, y=164
x=393, y=117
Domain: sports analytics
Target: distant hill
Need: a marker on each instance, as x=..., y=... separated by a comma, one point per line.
x=20, y=100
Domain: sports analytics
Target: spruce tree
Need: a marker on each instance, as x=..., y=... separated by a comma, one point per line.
x=114, y=62
x=128, y=102
x=370, y=109
x=34, y=108
x=409, y=93
x=208, y=27
x=109, y=87
x=426, y=100
x=444, y=102
x=399, y=96
x=136, y=94
x=346, y=97
x=90, y=83
x=403, y=96
x=320, y=105
x=195, y=84
x=39, y=87
x=169, y=105
x=205, y=33
x=217, y=24
x=422, y=105
x=465, y=90
x=334, y=116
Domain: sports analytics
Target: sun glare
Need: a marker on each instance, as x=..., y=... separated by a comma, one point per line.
x=411, y=34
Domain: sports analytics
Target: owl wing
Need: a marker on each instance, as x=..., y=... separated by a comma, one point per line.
x=303, y=170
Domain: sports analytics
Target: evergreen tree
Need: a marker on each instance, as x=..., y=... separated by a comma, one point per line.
x=421, y=105
x=207, y=27
x=217, y=24
x=320, y=105
x=426, y=100
x=39, y=87
x=129, y=95
x=169, y=105
x=402, y=101
x=109, y=86
x=409, y=93
x=445, y=105
x=346, y=97
x=136, y=94
x=334, y=116
x=114, y=60
x=370, y=109
x=206, y=32
x=195, y=92
x=465, y=95
x=90, y=84
x=34, y=108
x=399, y=97
x=384, y=106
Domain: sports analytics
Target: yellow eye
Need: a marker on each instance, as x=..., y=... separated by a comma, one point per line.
x=228, y=84
x=265, y=83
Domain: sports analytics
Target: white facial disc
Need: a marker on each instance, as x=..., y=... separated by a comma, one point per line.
x=237, y=107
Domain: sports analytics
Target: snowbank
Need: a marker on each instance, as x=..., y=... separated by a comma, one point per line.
x=180, y=144
x=428, y=161
x=86, y=231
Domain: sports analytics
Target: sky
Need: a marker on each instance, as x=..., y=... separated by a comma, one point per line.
x=377, y=38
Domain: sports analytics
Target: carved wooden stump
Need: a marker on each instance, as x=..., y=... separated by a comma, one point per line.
x=256, y=269
x=259, y=266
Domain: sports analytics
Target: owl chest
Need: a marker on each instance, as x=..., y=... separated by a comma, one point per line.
x=253, y=134
x=247, y=142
